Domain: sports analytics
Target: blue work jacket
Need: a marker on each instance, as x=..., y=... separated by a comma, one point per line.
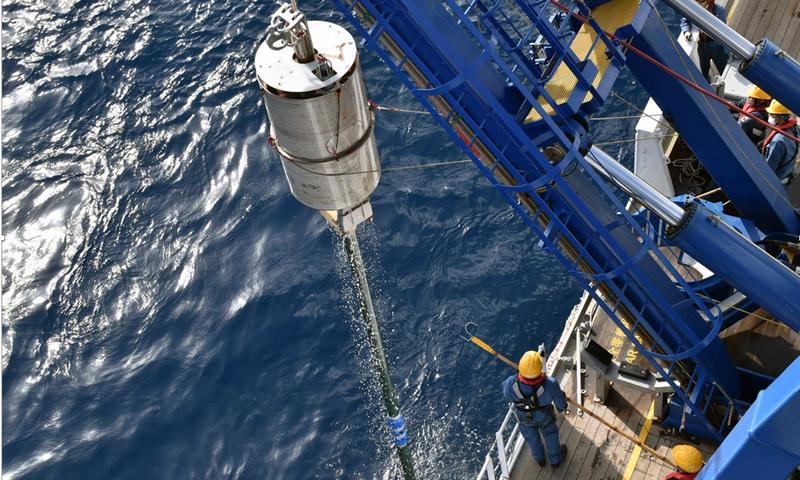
x=548, y=392
x=781, y=153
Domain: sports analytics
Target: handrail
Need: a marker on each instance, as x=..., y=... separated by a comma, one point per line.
x=578, y=383
x=505, y=450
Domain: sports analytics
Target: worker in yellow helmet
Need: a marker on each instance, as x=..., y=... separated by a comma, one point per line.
x=689, y=461
x=755, y=106
x=780, y=150
x=534, y=395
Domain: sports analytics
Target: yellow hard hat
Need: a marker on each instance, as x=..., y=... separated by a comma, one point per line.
x=756, y=92
x=688, y=458
x=777, y=108
x=530, y=365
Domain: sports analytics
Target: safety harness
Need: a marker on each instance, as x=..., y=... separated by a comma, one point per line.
x=786, y=127
x=527, y=404
x=749, y=108
x=753, y=129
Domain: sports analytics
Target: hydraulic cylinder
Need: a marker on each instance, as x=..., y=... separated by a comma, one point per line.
x=776, y=72
x=764, y=63
x=706, y=237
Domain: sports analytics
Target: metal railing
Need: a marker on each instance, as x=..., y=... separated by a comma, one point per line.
x=504, y=451
x=508, y=439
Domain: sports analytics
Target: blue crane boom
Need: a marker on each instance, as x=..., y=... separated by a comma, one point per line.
x=512, y=84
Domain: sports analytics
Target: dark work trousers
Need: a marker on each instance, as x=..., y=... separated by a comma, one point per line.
x=708, y=50
x=533, y=433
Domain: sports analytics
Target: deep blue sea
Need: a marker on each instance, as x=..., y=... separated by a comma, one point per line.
x=170, y=311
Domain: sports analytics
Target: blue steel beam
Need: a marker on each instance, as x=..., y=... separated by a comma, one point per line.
x=456, y=67
x=711, y=132
x=709, y=239
x=766, y=441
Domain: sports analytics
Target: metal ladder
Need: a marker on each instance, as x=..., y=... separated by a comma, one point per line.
x=532, y=172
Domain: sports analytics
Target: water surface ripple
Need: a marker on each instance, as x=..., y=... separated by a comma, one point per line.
x=169, y=311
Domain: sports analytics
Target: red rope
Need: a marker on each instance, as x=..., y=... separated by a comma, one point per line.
x=677, y=75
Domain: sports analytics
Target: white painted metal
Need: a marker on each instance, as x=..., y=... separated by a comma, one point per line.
x=506, y=419
x=350, y=220
x=488, y=468
x=512, y=446
x=687, y=260
x=519, y=445
x=578, y=375
x=501, y=448
x=501, y=452
x=649, y=160
x=278, y=69
x=689, y=45
x=322, y=128
x=736, y=86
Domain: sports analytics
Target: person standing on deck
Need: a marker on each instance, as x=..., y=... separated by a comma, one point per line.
x=756, y=105
x=689, y=461
x=534, y=395
x=777, y=148
x=707, y=48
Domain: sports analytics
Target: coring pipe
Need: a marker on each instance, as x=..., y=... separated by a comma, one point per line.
x=395, y=418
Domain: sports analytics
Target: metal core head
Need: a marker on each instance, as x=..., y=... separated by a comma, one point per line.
x=288, y=28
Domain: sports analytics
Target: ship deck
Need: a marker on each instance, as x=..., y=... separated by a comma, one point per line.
x=597, y=453
x=762, y=345
x=777, y=19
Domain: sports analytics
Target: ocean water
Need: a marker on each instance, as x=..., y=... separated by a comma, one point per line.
x=170, y=311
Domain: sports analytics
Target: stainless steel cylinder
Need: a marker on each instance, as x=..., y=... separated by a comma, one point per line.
x=648, y=196
x=320, y=122
x=304, y=48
